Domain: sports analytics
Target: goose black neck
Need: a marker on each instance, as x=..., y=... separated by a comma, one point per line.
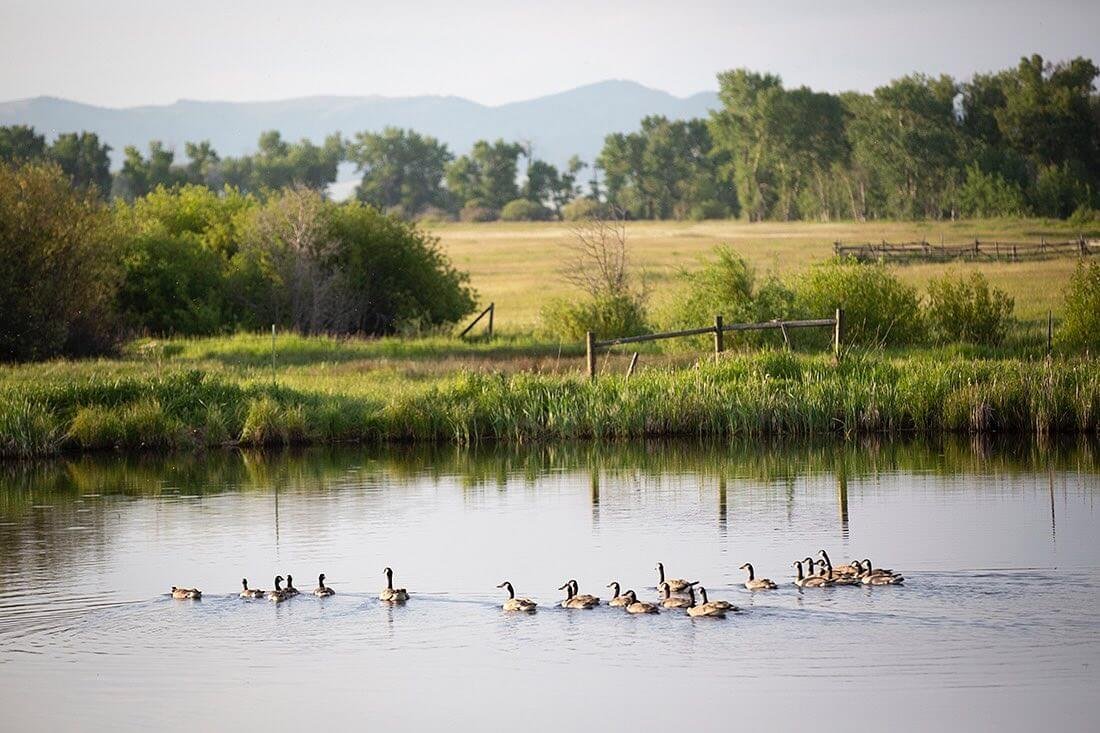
x=244, y=583
x=691, y=595
x=661, y=571
x=752, y=575
x=798, y=565
x=389, y=579
x=511, y=591
x=615, y=587
x=278, y=580
x=321, y=580
x=703, y=593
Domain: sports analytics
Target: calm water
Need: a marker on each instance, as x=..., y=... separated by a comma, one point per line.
x=998, y=625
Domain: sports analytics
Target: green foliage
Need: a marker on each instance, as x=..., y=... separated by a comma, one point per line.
x=400, y=168
x=475, y=211
x=59, y=273
x=1080, y=326
x=1058, y=192
x=968, y=310
x=84, y=160
x=878, y=308
x=524, y=210
x=21, y=144
x=664, y=171
x=607, y=316
x=486, y=174
x=583, y=208
x=988, y=195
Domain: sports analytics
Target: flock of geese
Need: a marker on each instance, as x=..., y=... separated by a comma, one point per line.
x=676, y=593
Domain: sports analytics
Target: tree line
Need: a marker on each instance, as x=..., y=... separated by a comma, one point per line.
x=1017, y=142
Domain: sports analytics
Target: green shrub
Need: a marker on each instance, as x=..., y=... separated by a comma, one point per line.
x=524, y=210
x=474, y=211
x=878, y=308
x=608, y=316
x=968, y=310
x=582, y=208
x=989, y=195
x=1080, y=326
x=1058, y=192
x=58, y=267
x=28, y=429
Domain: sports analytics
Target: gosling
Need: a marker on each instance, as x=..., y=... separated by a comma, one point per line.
x=193, y=594
x=636, y=606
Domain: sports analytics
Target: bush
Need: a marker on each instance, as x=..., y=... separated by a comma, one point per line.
x=59, y=272
x=878, y=308
x=582, y=208
x=1080, y=327
x=434, y=215
x=989, y=195
x=968, y=310
x=608, y=316
x=473, y=211
x=1058, y=192
x=524, y=210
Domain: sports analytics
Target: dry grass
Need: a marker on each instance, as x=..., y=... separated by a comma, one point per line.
x=517, y=265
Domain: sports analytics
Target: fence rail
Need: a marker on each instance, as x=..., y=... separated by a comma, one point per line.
x=719, y=329
x=976, y=250
x=488, y=311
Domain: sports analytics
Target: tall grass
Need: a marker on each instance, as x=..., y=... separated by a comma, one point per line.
x=769, y=393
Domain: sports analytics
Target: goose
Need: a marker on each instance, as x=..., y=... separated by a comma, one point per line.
x=616, y=600
x=322, y=590
x=279, y=594
x=866, y=567
x=584, y=596
x=813, y=581
x=291, y=591
x=879, y=577
x=720, y=605
x=708, y=610
x=186, y=593
x=676, y=585
x=827, y=572
x=516, y=604
x=391, y=594
x=670, y=601
x=573, y=601
x=636, y=606
x=754, y=583
x=250, y=592
x=850, y=569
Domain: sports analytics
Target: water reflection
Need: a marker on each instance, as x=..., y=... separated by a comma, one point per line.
x=1000, y=620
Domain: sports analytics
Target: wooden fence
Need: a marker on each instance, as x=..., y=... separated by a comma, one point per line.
x=978, y=250
x=487, y=312
x=718, y=330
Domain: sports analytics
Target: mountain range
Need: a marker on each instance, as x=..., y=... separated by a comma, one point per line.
x=557, y=125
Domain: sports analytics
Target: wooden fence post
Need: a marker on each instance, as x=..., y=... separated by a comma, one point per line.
x=633, y=363
x=719, y=337
x=590, y=342
x=492, y=309
x=838, y=333
x=1050, y=332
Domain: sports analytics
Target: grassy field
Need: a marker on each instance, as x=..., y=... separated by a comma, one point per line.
x=515, y=265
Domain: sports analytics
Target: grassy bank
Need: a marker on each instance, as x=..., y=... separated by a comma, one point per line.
x=216, y=392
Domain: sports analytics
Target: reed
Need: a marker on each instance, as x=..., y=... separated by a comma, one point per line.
x=772, y=393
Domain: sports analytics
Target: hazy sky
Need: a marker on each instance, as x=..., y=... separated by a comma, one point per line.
x=127, y=52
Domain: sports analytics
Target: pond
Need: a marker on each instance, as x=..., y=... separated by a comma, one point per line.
x=996, y=626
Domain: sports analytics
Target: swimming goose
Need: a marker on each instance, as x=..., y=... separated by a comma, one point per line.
x=572, y=601
x=705, y=610
x=290, y=589
x=391, y=594
x=322, y=590
x=584, y=596
x=676, y=585
x=250, y=592
x=670, y=601
x=850, y=569
x=827, y=572
x=186, y=593
x=866, y=567
x=516, y=604
x=879, y=577
x=636, y=606
x=616, y=600
x=813, y=581
x=720, y=605
x=754, y=583
x=278, y=595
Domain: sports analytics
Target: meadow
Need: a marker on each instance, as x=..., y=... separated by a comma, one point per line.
x=515, y=264
x=245, y=389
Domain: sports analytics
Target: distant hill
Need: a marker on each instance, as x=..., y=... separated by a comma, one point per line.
x=558, y=125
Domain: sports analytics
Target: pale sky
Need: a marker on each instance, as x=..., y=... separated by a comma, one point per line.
x=131, y=52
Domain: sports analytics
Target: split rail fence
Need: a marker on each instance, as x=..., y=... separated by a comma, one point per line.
x=978, y=250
